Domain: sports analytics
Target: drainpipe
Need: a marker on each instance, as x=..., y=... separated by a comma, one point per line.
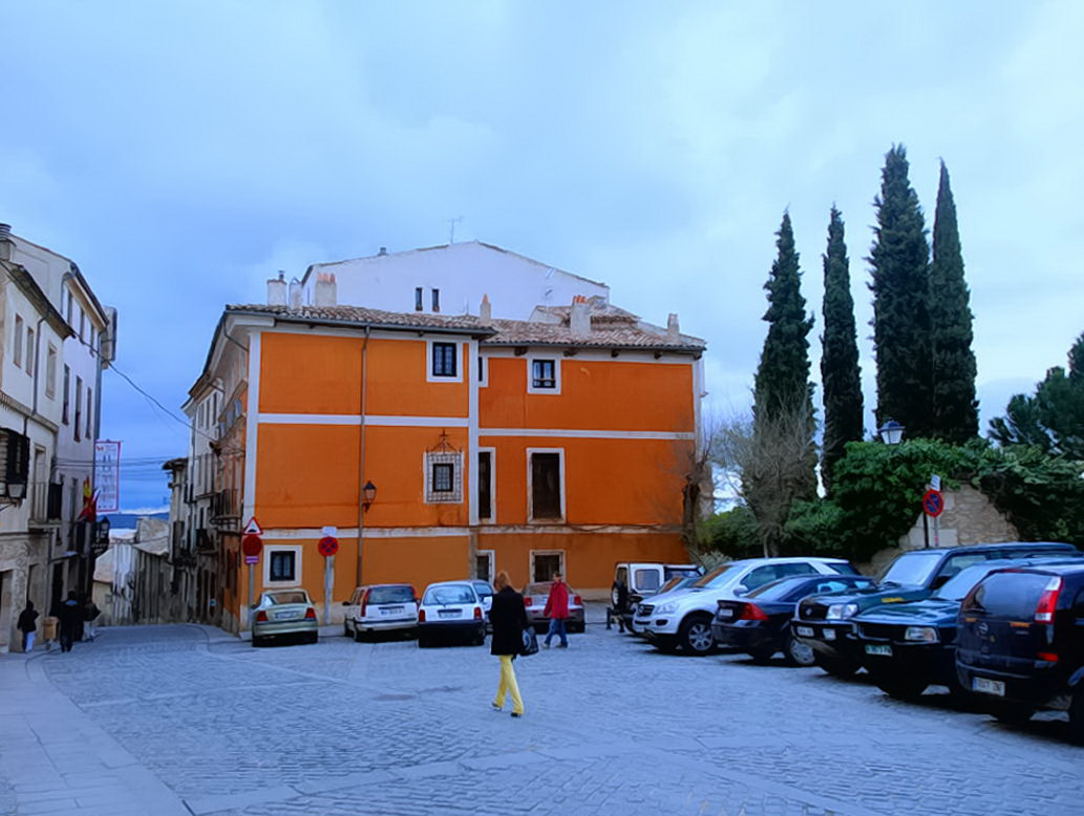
x=359, y=566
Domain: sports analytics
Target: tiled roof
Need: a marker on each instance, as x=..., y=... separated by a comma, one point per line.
x=628, y=335
x=368, y=317
x=601, y=312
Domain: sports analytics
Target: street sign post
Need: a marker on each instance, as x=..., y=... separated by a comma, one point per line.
x=252, y=546
x=933, y=503
x=328, y=546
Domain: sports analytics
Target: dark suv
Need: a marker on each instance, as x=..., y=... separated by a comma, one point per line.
x=1021, y=642
x=824, y=621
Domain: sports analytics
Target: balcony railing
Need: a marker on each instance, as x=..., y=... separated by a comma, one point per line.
x=226, y=507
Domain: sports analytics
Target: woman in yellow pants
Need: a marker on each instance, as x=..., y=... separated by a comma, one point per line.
x=509, y=619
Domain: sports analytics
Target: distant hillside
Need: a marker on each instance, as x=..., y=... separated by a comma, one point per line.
x=127, y=520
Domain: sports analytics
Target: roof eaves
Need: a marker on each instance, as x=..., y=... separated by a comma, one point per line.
x=315, y=320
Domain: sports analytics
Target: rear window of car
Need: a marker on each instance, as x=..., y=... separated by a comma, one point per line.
x=912, y=569
x=647, y=578
x=391, y=594
x=482, y=588
x=288, y=597
x=1012, y=595
x=455, y=594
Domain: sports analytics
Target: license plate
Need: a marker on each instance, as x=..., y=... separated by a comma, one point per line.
x=391, y=610
x=875, y=649
x=829, y=634
x=285, y=615
x=995, y=687
x=448, y=613
x=804, y=631
x=726, y=613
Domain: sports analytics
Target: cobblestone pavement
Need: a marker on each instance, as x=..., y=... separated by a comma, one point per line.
x=186, y=720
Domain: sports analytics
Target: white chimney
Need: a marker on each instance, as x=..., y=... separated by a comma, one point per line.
x=6, y=244
x=579, y=319
x=673, y=332
x=326, y=290
x=276, y=290
x=485, y=311
x=295, y=293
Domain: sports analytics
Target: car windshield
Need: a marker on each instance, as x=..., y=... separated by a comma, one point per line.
x=391, y=594
x=450, y=594
x=712, y=577
x=288, y=597
x=956, y=588
x=674, y=583
x=912, y=569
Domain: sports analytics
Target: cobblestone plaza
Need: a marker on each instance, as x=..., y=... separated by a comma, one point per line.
x=185, y=720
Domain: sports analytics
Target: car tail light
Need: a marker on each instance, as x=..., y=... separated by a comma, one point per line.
x=576, y=599
x=1048, y=601
x=477, y=613
x=421, y=616
x=1049, y=657
x=526, y=600
x=365, y=601
x=261, y=616
x=310, y=614
x=752, y=612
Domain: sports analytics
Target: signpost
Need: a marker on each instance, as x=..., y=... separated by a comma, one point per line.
x=328, y=546
x=252, y=546
x=933, y=505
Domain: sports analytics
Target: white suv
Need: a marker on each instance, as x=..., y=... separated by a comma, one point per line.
x=381, y=608
x=682, y=619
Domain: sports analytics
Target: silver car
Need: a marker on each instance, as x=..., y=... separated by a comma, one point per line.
x=535, y=597
x=284, y=613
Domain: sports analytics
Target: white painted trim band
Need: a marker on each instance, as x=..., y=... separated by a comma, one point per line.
x=354, y=419
x=577, y=433
x=316, y=533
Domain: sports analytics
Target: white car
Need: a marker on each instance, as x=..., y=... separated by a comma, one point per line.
x=381, y=608
x=451, y=610
x=682, y=619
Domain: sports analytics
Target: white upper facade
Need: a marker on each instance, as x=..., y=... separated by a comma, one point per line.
x=451, y=279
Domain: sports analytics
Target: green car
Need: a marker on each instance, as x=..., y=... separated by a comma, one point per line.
x=284, y=613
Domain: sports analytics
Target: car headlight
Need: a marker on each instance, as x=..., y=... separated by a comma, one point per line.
x=666, y=608
x=926, y=634
x=842, y=611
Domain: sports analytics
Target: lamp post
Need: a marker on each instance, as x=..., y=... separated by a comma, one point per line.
x=891, y=432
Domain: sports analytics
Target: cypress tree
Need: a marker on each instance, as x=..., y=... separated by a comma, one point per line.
x=841, y=376
x=955, y=409
x=900, y=285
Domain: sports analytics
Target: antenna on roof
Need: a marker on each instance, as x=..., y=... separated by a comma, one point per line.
x=451, y=228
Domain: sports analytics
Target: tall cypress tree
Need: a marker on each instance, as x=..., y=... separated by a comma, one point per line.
x=955, y=409
x=900, y=285
x=841, y=376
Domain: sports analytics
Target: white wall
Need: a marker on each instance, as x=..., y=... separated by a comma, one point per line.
x=462, y=273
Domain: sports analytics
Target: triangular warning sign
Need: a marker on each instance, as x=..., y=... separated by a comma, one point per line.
x=252, y=528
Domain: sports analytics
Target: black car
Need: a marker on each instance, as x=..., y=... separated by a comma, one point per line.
x=759, y=624
x=1021, y=642
x=907, y=647
x=824, y=622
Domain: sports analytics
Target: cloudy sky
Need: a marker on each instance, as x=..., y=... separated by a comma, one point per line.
x=182, y=152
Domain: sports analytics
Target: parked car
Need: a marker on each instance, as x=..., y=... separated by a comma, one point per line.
x=644, y=579
x=534, y=599
x=907, y=647
x=451, y=610
x=1021, y=642
x=485, y=592
x=682, y=619
x=824, y=621
x=381, y=608
x=284, y=613
x=759, y=624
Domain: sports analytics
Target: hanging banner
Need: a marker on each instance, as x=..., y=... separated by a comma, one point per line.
x=107, y=475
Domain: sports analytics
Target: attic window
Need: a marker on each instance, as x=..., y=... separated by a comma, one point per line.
x=417, y=298
x=436, y=300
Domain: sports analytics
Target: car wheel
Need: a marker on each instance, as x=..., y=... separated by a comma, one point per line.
x=346, y=630
x=314, y=638
x=901, y=688
x=423, y=643
x=836, y=666
x=257, y=642
x=358, y=636
x=1013, y=713
x=1076, y=716
x=762, y=655
x=797, y=653
x=695, y=635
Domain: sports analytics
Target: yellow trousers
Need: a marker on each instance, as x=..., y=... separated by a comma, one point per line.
x=508, y=684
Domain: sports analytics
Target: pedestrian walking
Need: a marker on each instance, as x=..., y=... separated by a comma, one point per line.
x=91, y=613
x=509, y=620
x=557, y=611
x=28, y=626
x=71, y=621
x=620, y=595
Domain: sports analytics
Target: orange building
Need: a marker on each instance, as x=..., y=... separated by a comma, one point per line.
x=561, y=443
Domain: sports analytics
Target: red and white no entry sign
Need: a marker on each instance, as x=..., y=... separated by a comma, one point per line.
x=328, y=546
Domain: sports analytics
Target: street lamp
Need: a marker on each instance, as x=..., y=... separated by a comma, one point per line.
x=891, y=432
x=368, y=495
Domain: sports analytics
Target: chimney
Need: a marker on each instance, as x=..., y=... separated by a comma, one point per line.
x=276, y=290
x=295, y=293
x=383, y=251
x=6, y=244
x=673, y=333
x=485, y=311
x=326, y=290
x=579, y=319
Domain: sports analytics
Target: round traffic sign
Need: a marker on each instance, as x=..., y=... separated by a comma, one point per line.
x=933, y=503
x=328, y=546
x=252, y=545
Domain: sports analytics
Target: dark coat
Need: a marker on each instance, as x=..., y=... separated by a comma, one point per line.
x=27, y=620
x=71, y=617
x=509, y=619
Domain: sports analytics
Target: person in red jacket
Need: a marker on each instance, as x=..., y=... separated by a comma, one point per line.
x=557, y=611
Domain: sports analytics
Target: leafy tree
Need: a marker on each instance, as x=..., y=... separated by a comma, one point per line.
x=841, y=376
x=955, y=409
x=900, y=285
x=1052, y=419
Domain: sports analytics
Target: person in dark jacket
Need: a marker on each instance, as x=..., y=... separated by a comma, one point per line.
x=71, y=622
x=509, y=620
x=28, y=626
x=620, y=594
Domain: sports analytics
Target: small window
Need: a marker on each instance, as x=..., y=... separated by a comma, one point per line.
x=443, y=477
x=436, y=300
x=17, y=350
x=82, y=323
x=485, y=484
x=77, y=425
x=30, y=351
x=90, y=413
x=543, y=374
x=544, y=565
x=282, y=565
x=70, y=308
x=444, y=360
x=546, y=486
x=50, y=372
x=482, y=371
x=418, y=291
